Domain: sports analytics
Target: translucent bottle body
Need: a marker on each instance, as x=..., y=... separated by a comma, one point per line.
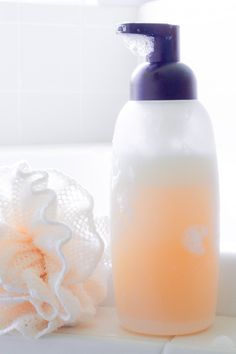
x=164, y=212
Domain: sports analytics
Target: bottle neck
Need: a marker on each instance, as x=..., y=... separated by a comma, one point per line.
x=163, y=81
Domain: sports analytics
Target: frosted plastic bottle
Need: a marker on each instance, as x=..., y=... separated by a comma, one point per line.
x=164, y=205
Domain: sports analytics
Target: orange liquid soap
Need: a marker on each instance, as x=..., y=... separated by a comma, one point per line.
x=164, y=246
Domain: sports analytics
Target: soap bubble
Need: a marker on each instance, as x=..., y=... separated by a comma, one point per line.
x=140, y=45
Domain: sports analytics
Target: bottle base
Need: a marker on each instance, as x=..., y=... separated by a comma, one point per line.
x=156, y=328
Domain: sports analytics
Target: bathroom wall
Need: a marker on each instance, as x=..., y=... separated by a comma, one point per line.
x=62, y=72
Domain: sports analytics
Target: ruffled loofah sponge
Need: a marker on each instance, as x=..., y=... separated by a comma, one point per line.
x=52, y=267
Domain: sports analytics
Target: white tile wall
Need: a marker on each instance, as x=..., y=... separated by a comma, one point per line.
x=9, y=130
x=50, y=117
x=62, y=72
x=49, y=14
x=8, y=56
x=8, y=12
x=104, y=70
x=50, y=58
x=97, y=114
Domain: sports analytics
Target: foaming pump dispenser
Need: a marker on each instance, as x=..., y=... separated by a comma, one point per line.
x=164, y=200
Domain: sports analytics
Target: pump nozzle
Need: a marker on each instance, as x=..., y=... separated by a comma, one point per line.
x=158, y=42
x=162, y=76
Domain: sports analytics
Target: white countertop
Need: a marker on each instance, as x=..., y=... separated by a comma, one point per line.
x=103, y=335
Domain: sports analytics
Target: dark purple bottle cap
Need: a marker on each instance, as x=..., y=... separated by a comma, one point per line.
x=162, y=77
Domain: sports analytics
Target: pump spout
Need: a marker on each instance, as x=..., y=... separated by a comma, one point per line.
x=162, y=76
x=163, y=40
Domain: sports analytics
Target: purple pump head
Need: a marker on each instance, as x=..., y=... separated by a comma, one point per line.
x=162, y=76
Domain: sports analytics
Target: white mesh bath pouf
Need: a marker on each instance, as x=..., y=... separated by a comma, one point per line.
x=52, y=263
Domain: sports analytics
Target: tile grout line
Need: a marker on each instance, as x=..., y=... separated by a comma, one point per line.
x=19, y=76
x=80, y=112
x=52, y=24
x=165, y=346
x=61, y=92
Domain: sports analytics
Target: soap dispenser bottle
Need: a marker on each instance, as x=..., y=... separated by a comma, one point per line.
x=164, y=199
